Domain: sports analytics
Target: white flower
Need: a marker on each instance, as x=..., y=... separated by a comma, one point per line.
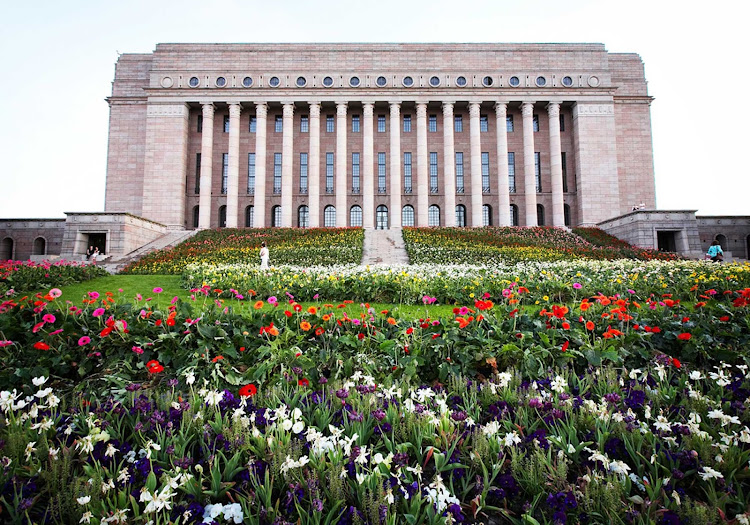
x=214, y=397
x=53, y=452
x=110, y=452
x=439, y=495
x=695, y=375
x=30, y=450
x=503, y=379
x=86, y=518
x=190, y=378
x=511, y=438
x=233, y=512
x=559, y=384
x=39, y=381
x=491, y=428
x=709, y=473
x=43, y=393
x=662, y=423
x=743, y=519
x=83, y=500
x=619, y=467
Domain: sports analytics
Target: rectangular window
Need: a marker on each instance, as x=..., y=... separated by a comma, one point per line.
x=251, y=173
x=253, y=124
x=433, y=172
x=407, y=123
x=355, y=123
x=459, y=172
x=197, y=173
x=458, y=123
x=329, y=172
x=483, y=124
x=226, y=123
x=564, y=163
x=432, y=124
x=303, y=172
x=279, y=124
x=511, y=172
x=381, y=123
x=407, y=172
x=329, y=124
x=355, y=173
x=276, y=173
x=200, y=123
x=304, y=124
x=509, y=123
x=562, y=122
x=381, y=172
x=535, y=123
x=485, y=172
x=224, y=172
x=538, y=171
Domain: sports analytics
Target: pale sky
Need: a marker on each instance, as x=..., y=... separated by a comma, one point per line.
x=57, y=64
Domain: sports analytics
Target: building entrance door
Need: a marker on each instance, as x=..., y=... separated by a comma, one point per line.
x=381, y=218
x=98, y=240
x=666, y=241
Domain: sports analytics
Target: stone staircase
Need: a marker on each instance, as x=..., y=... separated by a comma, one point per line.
x=169, y=240
x=384, y=247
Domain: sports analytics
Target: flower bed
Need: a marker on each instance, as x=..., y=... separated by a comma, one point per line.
x=22, y=276
x=306, y=246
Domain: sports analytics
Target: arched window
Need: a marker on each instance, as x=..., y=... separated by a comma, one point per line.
x=303, y=217
x=513, y=215
x=381, y=217
x=196, y=216
x=276, y=217
x=355, y=216
x=539, y=215
x=461, y=216
x=433, y=216
x=6, y=249
x=249, y=216
x=722, y=241
x=486, y=215
x=407, y=216
x=40, y=246
x=329, y=216
x=566, y=214
x=222, y=216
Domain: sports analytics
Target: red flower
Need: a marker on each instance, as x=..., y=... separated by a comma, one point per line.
x=287, y=313
x=565, y=346
x=297, y=307
x=684, y=336
x=566, y=325
x=676, y=363
x=303, y=382
x=409, y=330
x=248, y=390
x=360, y=336
x=41, y=345
x=590, y=325
x=154, y=367
x=724, y=318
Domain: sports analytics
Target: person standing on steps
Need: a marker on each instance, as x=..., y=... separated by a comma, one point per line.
x=263, y=256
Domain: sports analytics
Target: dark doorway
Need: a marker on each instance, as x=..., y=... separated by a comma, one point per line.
x=381, y=218
x=666, y=241
x=98, y=240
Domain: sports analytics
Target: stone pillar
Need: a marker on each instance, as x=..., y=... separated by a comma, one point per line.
x=395, y=211
x=287, y=165
x=423, y=175
x=529, y=175
x=368, y=184
x=233, y=179
x=207, y=151
x=261, y=114
x=342, y=214
x=503, y=188
x=476, y=165
x=449, y=164
x=555, y=163
x=313, y=166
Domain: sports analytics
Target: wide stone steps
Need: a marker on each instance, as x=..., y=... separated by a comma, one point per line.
x=384, y=247
x=168, y=240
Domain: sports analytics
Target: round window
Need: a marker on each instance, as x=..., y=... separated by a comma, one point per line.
x=221, y=82
x=487, y=81
x=193, y=82
x=408, y=81
x=327, y=81
x=247, y=81
x=461, y=81
x=434, y=81
x=514, y=81
x=381, y=81
x=274, y=82
x=354, y=81
x=301, y=81
x=593, y=81
x=166, y=82
x=541, y=81
x=567, y=81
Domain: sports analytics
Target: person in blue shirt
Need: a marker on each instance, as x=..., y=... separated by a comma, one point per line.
x=715, y=253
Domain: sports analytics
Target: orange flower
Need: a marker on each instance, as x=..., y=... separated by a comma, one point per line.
x=312, y=310
x=258, y=305
x=217, y=358
x=326, y=317
x=391, y=321
x=585, y=305
x=305, y=326
x=590, y=326
x=462, y=323
x=273, y=331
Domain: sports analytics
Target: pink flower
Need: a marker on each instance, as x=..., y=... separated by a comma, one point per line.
x=57, y=332
x=174, y=300
x=94, y=295
x=137, y=349
x=55, y=293
x=5, y=343
x=138, y=297
x=49, y=318
x=463, y=311
x=272, y=300
x=37, y=327
x=98, y=312
x=577, y=286
x=83, y=341
x=158, y=289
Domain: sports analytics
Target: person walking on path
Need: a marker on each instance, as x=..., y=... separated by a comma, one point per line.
x=715, y=253
x=263, y=256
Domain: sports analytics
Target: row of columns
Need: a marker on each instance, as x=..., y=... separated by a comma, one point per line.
x=367, y=168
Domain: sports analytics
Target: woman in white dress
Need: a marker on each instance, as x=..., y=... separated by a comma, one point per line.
x=263, y=256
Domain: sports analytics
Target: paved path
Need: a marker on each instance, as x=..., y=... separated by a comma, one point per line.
x=384, y=247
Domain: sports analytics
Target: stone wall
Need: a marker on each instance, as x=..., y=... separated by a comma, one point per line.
x=22, y=239
x=124, y=232
x=733, y=232
x=642, y=227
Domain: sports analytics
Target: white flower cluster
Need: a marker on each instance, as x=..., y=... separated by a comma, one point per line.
x=439, y=495
x=232, y=512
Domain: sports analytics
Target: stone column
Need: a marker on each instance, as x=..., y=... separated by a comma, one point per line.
x=476, y=165
x=529, y=175
x=313, y=166
x=368, y=185
x=395, y=211
x=555, y=163
x=449, y=164
x=207, y=151
x=503, y=188
x=423, y=175
x=233, y=180
x=261, y=114
x=287, y=165
x=342, y=214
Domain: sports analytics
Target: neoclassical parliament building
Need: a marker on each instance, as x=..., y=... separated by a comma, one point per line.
x=373, y=135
